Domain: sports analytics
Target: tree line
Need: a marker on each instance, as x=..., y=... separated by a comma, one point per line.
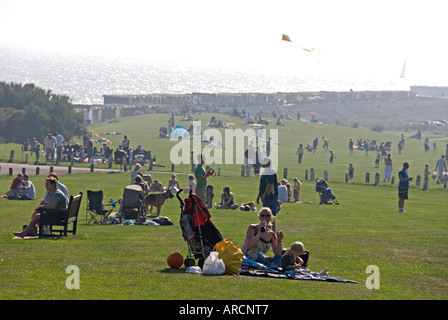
x=28, y=111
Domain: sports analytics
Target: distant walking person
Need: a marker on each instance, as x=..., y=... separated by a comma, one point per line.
x=49, y=145
x=299, y=152
x=351, y=171
x=426, y=175
x=403, y=186
x=387, y=168
x=378, y=157
x=440, y=168
x=315, y=143
x=350, y=146
x=268, y=188
x=37, y=152
x=332, y=156
x=325, y=144
x=59, y=144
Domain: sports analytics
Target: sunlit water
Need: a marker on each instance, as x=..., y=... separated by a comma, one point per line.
x=86, y=80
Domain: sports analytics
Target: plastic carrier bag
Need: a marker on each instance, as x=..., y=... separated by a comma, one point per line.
x=213, y=265
x=230, y=254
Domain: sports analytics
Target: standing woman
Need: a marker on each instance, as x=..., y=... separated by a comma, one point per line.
x=387, y=168
x=125, y=144
x=260, y=239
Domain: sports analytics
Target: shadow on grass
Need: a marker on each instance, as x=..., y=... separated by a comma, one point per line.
x=172, y=270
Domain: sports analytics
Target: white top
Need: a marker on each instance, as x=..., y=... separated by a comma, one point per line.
x=50, y=142
x=282, y=193
x=59, y=140
x=441, y=164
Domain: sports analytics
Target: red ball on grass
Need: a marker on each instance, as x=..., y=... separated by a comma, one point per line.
x=175, y=260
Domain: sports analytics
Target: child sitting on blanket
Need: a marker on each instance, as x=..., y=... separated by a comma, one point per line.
x=291, y=259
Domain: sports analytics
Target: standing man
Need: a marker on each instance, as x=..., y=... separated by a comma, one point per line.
x=59, y=143
x=440, y=168
x=350, y=147
x=315, y=143
x=403, y=186
x=268, y=188
x=201, y=178
x=49, y=145
x=299, y=152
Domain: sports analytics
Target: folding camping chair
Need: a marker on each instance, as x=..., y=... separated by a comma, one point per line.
x=132, y=204
x=95, y=206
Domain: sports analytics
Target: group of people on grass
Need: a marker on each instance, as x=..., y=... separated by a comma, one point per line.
x=21, y=189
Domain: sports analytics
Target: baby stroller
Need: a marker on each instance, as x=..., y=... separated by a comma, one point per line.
x=326, y=197
x=132, y=204
x=198, y=231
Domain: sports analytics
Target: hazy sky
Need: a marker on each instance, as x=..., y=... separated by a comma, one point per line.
x=359, y=37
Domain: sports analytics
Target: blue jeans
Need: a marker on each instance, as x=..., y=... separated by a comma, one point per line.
x=271, y=202
x=271, y=262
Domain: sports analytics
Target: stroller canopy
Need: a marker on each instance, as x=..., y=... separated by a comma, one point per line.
x=203, y=215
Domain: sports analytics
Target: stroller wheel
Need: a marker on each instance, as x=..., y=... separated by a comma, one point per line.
x=189, y=262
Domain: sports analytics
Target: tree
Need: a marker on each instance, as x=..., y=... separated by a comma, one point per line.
x=28, y=111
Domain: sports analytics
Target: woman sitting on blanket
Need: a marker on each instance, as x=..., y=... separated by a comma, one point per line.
x=227, y=199
x=260, y=238
x=56, y=200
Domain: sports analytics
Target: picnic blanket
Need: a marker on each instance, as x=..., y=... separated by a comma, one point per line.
x=255, y=269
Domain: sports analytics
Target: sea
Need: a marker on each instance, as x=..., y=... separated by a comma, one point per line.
x=86, y=79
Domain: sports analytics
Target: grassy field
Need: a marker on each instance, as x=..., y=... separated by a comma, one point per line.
x=129, y=262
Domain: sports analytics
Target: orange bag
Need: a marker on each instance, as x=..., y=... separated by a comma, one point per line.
x=230, y=254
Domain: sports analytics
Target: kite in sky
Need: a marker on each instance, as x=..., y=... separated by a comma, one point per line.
x=286, y=38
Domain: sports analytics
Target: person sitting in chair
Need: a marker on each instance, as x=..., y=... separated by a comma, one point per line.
x=56, y=200
x=139, y=181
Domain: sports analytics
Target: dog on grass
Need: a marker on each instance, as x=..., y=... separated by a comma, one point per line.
x=157, y=200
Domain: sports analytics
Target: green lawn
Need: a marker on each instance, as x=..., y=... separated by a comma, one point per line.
x=129, y=262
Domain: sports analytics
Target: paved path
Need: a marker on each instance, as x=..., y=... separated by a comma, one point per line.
x=30, y=169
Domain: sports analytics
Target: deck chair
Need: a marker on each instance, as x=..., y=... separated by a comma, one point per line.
x=132, y=204
x=95, y=207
